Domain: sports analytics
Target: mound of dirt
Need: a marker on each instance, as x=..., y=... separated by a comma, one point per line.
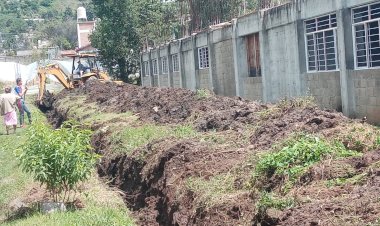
x=172, y=181
x=171, y=106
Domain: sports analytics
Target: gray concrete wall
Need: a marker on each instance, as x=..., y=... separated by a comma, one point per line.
x=253, y=88
x=325, y=87
x=367, y=94
x=189, y=70
x=224, y=69
x=164, y=80
x=155, y=80
x=176, y=80
x=204, y=79
x=145, y=81
x=282, y=77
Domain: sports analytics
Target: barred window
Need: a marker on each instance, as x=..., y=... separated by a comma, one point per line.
x=366, y=33
x=175, y=62
x=155, y=66
x=203, y=57
x=164, y=62
x=321, y=43
x=146, y=68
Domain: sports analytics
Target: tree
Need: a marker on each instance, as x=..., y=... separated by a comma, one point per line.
x=116, y=36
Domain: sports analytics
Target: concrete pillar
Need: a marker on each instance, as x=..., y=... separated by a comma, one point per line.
x=181, y=67
x=142, y=72
x=170, y=67
x=346, y=81
x=237, y=44
x=159, y=65
x=150, y=66
x=211, y=58
x=195, y=75
x=265, y=76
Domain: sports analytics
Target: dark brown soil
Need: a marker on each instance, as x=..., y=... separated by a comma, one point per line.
x=155, y=185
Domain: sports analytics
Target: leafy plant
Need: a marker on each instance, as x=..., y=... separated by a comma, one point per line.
x=296, y=156
x=58, y=159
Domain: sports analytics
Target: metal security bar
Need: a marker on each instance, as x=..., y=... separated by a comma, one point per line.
x=203, y=57
x=164, y=62
x=146, y=68
x=175, y=62
x=321, y=43
x=155, y=67
x=366, y=35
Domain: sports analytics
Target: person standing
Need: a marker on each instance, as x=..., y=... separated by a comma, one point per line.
x=8, y=103
x=21, y=102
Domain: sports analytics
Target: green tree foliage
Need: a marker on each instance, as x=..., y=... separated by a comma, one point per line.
x=18, y=17
x=116, y=36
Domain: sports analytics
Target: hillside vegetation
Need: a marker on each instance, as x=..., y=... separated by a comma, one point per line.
x=23, y=22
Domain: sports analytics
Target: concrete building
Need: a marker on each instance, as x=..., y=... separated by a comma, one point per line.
x=326, y=48
x=84, y=28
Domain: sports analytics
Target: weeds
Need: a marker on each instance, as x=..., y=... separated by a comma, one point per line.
x=268, y=200
x=203, y=94
x=355, y=180
x=130, y=138
x=295, y=157
x=278, y=109
x=214, y=190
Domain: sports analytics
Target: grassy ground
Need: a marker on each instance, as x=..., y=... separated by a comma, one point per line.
x=102, y=205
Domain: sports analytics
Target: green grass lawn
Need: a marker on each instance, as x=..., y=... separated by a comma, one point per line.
x=102, y=205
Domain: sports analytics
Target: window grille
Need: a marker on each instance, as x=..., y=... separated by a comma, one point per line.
x=164, y=62
x=155, y=67
x=321, y=43
x=146, y=68
x=366, y=34
x=203, y=57
x=175, y=62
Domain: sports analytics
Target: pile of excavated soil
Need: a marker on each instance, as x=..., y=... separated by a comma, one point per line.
x=155, y=186
x=171, y=106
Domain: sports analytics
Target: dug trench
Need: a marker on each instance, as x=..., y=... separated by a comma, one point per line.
x=193, y=158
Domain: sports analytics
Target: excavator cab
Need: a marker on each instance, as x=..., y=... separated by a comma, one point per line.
x=84, y=67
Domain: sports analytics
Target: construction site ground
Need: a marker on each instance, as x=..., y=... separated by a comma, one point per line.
x=193, y=158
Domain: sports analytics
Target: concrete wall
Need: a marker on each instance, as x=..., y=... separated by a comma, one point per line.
x=325, y=87
x=283, y=76
x=224, y=69
x=367, y=94
x=164, y=80
x=189, y=70
x=176, y=80
x=204, y=79
x=253, y=88
x=283, y=60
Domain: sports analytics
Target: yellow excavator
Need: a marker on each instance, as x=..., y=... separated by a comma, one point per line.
x=76, y=78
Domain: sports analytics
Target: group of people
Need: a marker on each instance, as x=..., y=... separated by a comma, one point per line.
x=10, y=102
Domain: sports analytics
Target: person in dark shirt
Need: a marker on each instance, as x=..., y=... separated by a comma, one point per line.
x=81, y=68
x=21, y=103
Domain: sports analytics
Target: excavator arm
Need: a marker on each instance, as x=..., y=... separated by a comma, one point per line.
x=57, y=72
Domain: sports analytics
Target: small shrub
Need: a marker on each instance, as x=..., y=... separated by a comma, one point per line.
x=58, y=158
